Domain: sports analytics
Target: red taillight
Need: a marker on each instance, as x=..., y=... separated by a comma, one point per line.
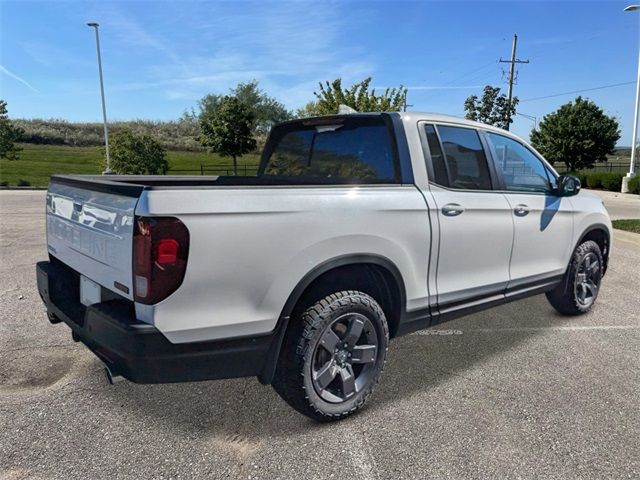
x=160, y=250
x=167, y=251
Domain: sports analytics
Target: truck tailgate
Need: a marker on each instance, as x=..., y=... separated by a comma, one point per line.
x=90, y=229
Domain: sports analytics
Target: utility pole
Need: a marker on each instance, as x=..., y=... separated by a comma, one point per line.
x=405, y=101
x=512, y=69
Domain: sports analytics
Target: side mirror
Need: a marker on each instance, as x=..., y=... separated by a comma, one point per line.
x=568, y=185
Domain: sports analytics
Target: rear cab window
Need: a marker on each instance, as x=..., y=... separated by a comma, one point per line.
x=338, y=150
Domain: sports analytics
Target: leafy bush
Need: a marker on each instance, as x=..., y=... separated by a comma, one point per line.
x=24, y=183
x=594, y=180
x=582, y=176
x=4, y=183
x=600, y=180
x=612, y=181
x=9, y=135
x=133, y=154
x=634, y=184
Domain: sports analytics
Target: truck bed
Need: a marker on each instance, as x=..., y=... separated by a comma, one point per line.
x=133, y=185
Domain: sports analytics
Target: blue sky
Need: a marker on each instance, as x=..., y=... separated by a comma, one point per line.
x=160, y=57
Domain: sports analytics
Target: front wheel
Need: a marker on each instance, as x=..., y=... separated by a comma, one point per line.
x=333, y=356
x=579, y=288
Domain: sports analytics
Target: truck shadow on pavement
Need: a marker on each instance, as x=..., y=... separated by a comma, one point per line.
x=242, y=411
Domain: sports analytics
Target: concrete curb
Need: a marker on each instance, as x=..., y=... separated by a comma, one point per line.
x=626, y=237
x=608, y=194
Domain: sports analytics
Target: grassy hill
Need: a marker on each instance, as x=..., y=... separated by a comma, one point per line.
x=175, y=135
x=38, y=162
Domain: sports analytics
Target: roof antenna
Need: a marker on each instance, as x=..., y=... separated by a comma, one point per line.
x=346, y=110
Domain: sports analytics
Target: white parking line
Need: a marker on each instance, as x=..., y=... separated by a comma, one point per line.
x=435, y=331
x=528, y=329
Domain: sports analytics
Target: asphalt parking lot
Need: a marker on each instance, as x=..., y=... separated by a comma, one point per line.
x=516, y=392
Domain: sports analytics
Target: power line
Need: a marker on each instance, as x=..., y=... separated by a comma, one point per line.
x=464, y=76
x=561, y=44
x=578, y=91
x=471, y=74
x=530, y=117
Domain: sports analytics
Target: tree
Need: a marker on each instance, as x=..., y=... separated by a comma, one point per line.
x=492, y=108
x=9, y=135
x=228, y=129
x=208, y=105
x=266, y=110
x=135, y=154
x=309, y=110
x=577, y=134
x=358, y=97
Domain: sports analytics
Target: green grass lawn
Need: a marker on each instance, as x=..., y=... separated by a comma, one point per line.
x=38, y=162
x=628, y=225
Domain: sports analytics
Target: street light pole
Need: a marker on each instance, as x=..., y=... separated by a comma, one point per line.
x=634, y=138
x=95, y=25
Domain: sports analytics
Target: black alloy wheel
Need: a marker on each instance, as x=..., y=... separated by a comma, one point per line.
x=333, y=355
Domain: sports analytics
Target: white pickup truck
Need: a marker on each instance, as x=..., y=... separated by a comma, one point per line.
x=357, y=228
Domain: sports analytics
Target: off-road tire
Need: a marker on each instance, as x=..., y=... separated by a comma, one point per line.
x=306, y=338
x=565, y=297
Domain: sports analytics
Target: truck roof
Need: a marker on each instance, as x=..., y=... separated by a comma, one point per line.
x=411, y=117
x=408, y=117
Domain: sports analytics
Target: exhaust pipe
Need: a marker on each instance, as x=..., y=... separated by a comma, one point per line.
x=112, y=377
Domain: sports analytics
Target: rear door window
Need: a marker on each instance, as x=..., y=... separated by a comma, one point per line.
x=437, y=157
x=465, y=159
x=351, y=150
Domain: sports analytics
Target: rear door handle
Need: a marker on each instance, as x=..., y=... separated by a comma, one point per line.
x=521, y=210
x=452, y=209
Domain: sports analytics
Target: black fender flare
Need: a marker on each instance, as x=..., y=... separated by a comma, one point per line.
x=585, y=232
x=607, y=232
x=268, y=371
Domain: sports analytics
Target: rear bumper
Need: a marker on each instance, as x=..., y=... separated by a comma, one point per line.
x=138, y=351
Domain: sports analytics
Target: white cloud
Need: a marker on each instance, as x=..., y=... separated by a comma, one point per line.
x=287, y=47
x=16, y=77
x=133, y=34
x=52, y=56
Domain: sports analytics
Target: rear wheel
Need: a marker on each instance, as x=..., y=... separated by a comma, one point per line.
x=333, y=356
x=579, y=288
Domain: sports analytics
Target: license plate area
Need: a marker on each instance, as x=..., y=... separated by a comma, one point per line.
x=90, y=291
